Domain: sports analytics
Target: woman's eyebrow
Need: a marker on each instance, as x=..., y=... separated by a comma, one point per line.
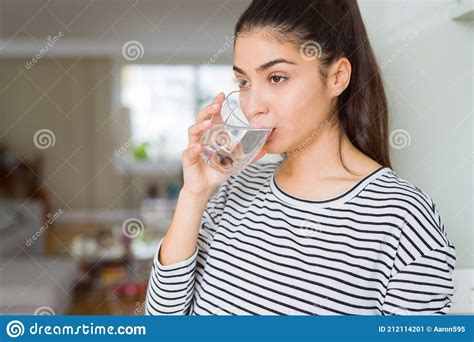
x=264, y=66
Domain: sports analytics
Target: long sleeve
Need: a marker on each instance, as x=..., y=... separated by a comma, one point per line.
x=422, y=279
x=424, y=287
x=171, y=287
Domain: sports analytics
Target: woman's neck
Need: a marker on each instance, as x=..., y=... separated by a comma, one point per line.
x=319, y=158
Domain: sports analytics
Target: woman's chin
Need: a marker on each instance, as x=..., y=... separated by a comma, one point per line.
x=273, y=147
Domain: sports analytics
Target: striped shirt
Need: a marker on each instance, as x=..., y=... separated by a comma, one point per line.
x=378, y=249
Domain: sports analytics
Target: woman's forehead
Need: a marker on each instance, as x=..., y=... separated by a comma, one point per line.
x=255, y=49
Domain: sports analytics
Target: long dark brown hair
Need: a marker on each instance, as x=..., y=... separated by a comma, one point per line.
x=338, y=29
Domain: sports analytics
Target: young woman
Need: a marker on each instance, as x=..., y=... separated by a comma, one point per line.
x=331, y=229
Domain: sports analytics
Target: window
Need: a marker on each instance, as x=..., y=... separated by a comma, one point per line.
x=163, y=101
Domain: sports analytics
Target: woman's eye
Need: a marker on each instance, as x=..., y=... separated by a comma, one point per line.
x=277, y=79
x=240, y=82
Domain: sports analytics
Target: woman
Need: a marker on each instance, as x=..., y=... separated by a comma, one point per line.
x=331, y=229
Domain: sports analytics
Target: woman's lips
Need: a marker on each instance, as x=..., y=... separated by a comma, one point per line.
x=271, y=134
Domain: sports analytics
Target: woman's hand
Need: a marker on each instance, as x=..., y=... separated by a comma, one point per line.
x=200, y=182
x=199, y=179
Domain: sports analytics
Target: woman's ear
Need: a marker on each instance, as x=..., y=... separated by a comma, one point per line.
x=340, y=75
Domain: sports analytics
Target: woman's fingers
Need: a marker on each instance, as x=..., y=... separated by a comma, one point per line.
x=219, y=98
x=190, y=156
x=195, y=131
x=203, y=121
x=214, y=107
x=207, y=112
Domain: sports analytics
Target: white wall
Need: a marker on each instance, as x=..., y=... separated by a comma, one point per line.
x=428, y=77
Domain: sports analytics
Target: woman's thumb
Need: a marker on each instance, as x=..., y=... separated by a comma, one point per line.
x=191, y=155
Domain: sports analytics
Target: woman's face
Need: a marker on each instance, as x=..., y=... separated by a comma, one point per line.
x=280, y=88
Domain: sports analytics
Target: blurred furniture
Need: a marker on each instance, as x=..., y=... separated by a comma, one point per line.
x=28, y=279
x=102, y=255
x=116, y=263
x=21, y=179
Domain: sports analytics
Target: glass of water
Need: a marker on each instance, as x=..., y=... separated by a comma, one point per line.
x=231, y=143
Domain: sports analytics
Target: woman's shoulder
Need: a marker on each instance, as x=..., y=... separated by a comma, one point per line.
x=423, y=225
x=391, y=183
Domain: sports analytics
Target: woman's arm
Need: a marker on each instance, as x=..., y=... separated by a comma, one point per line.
x=189, y=237
x=171, y=284
x=170, y=289
x=422, y=279
x=423, y=287
x=180, y=240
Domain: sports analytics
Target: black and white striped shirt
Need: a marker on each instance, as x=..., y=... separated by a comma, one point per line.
x=380, y=248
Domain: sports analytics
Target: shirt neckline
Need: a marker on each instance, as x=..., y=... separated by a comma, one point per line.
x=331, y=202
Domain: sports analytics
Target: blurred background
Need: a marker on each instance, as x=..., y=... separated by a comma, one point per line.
x=95, y=100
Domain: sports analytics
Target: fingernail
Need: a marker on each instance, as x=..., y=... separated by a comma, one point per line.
x=215, y=106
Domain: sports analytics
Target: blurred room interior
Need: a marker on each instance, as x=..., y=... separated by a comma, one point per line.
x=95, y=100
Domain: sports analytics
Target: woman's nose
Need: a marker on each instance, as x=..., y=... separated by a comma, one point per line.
x=255, y=105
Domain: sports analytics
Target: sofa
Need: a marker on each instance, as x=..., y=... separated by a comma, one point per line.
x=31, y=283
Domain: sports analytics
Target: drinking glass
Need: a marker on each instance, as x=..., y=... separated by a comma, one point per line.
x=231, y=143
